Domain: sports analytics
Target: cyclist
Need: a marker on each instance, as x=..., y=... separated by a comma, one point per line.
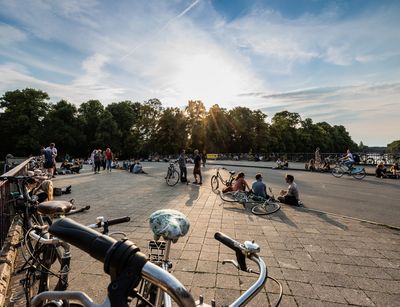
x=348, y=159
x=259, y=188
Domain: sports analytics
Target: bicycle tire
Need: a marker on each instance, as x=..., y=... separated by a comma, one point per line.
x=266, y=208
x=214, y=184
x=148, y=291
x=228, y=197
x=40, y=277
x=359, y=175
x=337, y=172
x=172, y=178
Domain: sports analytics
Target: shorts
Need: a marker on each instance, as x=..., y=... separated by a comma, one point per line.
x=196, y=170
x=48, y=164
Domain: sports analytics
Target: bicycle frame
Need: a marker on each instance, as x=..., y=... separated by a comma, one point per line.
x=225, y=182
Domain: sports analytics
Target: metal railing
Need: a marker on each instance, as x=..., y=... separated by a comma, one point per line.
x=6, y=215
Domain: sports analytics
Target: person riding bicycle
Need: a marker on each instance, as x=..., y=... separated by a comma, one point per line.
x=348, y=159
x=239, y=184
x=259, y=188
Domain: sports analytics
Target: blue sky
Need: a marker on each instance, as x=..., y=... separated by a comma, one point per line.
x=335, y=61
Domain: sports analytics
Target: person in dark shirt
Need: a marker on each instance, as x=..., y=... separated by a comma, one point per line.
x=197, y=169
x=380, y=171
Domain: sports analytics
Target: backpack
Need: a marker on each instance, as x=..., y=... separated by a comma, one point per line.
x=356, y=158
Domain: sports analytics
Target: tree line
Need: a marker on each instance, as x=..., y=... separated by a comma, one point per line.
x=137, y=129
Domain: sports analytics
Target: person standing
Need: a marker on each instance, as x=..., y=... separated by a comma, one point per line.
x=182, y=166
x=196, y=169
x=97, y=161
x=317, y=158
x=53, y=150
x=204, y=158
x=108, y=157
x=48, y=161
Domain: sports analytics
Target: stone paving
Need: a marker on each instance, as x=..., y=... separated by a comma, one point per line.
x=320, y=260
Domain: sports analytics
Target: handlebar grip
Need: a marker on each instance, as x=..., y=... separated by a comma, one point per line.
x=229, y=242
x=86, y=239
x=118, y=220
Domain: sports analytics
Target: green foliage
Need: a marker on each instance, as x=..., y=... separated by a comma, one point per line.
x=394, y=148
x=134, y=129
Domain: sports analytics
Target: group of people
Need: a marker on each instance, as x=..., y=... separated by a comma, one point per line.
x=198, y=160
x=381, y=171
x=68, y=167
x=103, y=159
x=259, y=188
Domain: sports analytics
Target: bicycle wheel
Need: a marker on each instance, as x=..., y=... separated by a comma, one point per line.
x=359, y=175
x=214, y=184
x=146, y=295
x=172, y=178
x=337, y=172
x=41, y=276
x=267, y=207
x=228, y=197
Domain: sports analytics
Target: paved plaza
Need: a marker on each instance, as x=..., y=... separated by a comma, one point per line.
x=320, y=259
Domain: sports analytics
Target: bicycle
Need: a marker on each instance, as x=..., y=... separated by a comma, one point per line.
x=172, y=177
x=358, y=172
x=133, y=275
x=40, y=275
x=215, y=179
x=260, y=205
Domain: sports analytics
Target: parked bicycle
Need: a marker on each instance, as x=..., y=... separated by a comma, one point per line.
x=217, y=179
x=144, y=281
x=259, y=205
x=340, y=169
x=49, y=260
x=172, y=177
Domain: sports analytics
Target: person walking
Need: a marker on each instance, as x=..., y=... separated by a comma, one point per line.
x=182, y=166
x=108, y=157
x=197, y=168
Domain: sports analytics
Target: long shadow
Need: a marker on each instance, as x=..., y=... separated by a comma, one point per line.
x=193, y=195
x=325, y=217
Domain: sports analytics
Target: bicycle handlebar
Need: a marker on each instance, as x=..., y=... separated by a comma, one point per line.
x=100, y=247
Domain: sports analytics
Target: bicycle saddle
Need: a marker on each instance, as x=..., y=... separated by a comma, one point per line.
x=169, y=224
x=54, y=207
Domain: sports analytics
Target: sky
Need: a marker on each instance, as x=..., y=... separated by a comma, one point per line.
x=334, y=61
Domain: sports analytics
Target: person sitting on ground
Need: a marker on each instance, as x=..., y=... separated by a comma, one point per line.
x=45, y=191
x=259, y=188
x=380, y=171
x=326, y=167
x=138, y=169
x=76, y=167
x=348, y=159
x=239, y=184
x=291, y=195
x=278, y=163
x=394, y=169
x=311, y=165
x=65, y=168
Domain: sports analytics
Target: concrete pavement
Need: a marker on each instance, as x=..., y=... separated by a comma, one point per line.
x=320, y=260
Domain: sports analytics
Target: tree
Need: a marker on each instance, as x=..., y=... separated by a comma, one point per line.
x=107, y=133
x=394, y=148
x=89, y=116
x=62, y=127
x=218, y=130
x=196, y=112
x=171, y=135
x=21, y=123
